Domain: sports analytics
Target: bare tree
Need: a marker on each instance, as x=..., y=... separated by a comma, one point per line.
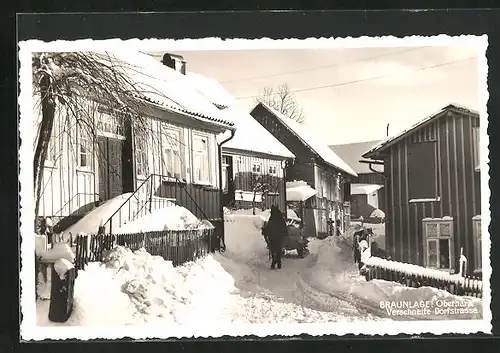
x=283, y=100
x=74, y=86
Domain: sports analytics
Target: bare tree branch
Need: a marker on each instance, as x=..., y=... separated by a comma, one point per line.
x=283, y=100
x=75, y=86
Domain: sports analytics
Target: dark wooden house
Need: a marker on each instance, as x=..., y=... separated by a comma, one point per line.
x=253, y=160
x=433, y=191
x=367, y=189
x=317, y=165
x=170, y=154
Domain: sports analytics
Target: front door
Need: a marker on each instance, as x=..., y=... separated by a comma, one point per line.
x=110, y=167
x=227, y=180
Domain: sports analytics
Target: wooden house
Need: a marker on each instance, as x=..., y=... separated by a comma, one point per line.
x=433, y=201
x=253, y=161
x=171, y=153
x=367, y=190
x=317, y=165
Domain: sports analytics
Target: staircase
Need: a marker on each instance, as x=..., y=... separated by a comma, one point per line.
x=157, y=192
x=141, y=202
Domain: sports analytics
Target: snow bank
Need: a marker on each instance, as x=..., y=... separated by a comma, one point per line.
x=336, y=273
x=168, y=218
x=182, y=295
x=91, y=222
x=62, y=266
x=57, y=252
x=98, y=301
x=136, y=288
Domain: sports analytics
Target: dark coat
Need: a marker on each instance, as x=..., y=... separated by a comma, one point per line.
x=275, y=229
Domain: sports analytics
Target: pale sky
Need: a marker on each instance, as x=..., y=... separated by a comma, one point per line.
x=351, y=112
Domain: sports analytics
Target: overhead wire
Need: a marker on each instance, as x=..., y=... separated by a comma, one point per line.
x=324, y=66
x=369, y=78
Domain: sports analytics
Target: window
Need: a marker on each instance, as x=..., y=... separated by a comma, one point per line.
x=256, y=168
x=478, y=244
x=171, y=163
x=421, y=171
x=324, y=187
x=439, y=244
x=201, y=160
x=273, y=169
x=141, y=154
x=476, y=146
x=84, y=149
x=225, y=178
x=110, y=124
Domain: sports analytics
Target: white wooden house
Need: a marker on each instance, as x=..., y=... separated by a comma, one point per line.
x=171, y=153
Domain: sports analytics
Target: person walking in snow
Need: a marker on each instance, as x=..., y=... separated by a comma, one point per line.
x=274, y=233
x=361, y=235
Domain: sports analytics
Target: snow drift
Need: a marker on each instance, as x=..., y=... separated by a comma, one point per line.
x=91, y=222
x=169, y=218
x=335, y=273
x=135, y=288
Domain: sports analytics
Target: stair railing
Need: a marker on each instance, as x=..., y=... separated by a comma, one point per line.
x=127, y=202
x=116, y=220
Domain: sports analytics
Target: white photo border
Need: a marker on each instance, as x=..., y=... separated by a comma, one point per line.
x=29, y=329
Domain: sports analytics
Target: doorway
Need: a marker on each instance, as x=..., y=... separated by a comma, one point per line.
x=227, y=180
x=110, y=156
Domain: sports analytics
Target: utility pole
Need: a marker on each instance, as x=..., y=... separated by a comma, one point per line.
x=387, y=130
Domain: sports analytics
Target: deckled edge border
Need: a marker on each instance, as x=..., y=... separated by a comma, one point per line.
x=29, y=330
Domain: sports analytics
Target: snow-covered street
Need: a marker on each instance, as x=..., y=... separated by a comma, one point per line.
x=236, y=286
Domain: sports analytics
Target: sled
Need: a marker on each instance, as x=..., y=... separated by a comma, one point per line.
x=295, y=240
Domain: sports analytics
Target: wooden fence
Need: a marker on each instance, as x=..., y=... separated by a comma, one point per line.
x=466, y=286
x=178, y=246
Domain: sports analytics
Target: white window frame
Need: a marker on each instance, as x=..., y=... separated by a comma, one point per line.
x=254, y=167
x=141, y=157
x=196, y=153
x=171, y=141
x=110, y=126
x=83, y=139
x=438, y=223
x=271, y=166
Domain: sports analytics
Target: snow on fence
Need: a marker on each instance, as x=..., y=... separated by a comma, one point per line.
x=178, y=246
x=415, y=276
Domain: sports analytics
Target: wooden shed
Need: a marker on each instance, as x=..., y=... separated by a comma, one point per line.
x=433, y=193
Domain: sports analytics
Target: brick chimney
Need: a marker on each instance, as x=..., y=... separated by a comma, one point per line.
x=175, y=62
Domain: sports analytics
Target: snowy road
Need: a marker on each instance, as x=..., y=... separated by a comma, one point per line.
x=288, y=288
x=236, y=287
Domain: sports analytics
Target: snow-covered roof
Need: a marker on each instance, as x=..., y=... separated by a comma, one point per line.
x=211, y=89
x=250, y=135
x=351, y=153
x=312, y=141
x=164, y=86
x=364, y=189
x=390, y=140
